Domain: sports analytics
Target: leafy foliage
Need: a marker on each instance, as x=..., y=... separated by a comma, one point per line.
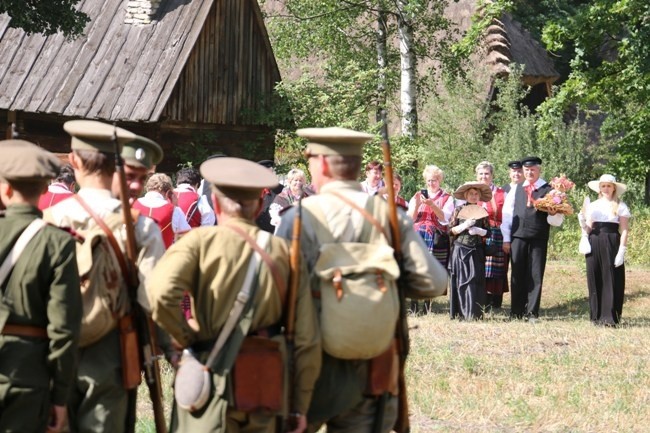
x=610, y=73
x=338, y=40
x=45, y=16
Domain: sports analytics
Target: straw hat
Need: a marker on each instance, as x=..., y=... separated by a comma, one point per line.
x=608, y=178
x=483, y=189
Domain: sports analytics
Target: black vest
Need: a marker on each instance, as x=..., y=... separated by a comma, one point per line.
x=528, y=222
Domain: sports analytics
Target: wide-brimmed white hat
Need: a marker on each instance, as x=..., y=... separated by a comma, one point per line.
x=607, y=178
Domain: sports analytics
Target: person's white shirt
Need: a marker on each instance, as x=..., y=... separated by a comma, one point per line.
x=208, y=218
x=154, y=199
x=369, y=189
x=509, y=209
x=602, y=211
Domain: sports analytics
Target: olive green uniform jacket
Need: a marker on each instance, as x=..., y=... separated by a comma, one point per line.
x=41, y=291
x=339, y=397
x=210, y=263
x=99, y=402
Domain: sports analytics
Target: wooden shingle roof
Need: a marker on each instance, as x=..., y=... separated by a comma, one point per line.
x=115, y=71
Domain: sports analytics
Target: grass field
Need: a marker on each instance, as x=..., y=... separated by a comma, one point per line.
x=561, y=374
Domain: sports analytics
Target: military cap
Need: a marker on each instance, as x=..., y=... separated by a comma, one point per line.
x=514, y=164
x=238, y=178
x=96, y=136
x=25, y=161
x=266, y=163
x=530, y=161
x=334, y=141
x=142, y=152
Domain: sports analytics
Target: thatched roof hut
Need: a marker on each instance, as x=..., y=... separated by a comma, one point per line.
x=505, y=43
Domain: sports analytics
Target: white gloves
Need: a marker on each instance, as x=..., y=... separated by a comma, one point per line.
x=464, y=226
x=583, y=221
x=477, y=231
x=620, y=256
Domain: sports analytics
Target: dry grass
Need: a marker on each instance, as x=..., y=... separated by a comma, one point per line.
x=561, y=374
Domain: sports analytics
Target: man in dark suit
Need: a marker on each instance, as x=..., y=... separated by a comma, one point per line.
x=525, y=236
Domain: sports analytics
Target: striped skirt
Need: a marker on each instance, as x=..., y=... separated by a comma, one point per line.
x=496, y=269
x=436, y=241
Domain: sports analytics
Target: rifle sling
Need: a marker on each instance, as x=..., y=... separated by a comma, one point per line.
x=30, y=231
x=279, y=282
x=5, y=269
x=241, y=306
x=371, y=219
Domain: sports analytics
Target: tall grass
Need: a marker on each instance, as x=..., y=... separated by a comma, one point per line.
x=561, y=374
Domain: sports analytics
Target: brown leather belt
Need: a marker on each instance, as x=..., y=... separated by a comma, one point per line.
x=24, y=331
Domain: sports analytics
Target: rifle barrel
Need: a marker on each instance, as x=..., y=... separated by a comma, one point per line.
x=142, y=321
x=401, y=328
x=292, y=297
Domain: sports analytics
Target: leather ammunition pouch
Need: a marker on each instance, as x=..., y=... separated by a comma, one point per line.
x=383, y=372
x=258, y=376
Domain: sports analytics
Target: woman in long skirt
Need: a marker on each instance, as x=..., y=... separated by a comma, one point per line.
x=606, y=222
x=467, y=295
x=496, y=272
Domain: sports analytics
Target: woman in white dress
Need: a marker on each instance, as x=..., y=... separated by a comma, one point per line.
x=606, y=222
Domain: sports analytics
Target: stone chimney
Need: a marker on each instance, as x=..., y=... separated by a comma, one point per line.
x=141, y=12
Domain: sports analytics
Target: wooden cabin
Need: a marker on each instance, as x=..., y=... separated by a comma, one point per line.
x=189, y=74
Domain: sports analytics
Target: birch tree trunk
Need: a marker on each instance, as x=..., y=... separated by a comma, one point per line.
x=382, y=53
x=408, y=63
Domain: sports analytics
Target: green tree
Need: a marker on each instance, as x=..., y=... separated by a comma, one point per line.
x=332, y=36
x=45, y=16
x=610, y=74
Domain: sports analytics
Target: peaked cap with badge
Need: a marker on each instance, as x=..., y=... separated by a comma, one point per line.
x=334, y=141
x=238, y=179
x=142, y=152
x=514, y=164
x=24, y=161
x=96, y=136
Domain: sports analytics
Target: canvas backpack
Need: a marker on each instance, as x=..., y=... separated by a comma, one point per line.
x=104, y=293
x=357, y=281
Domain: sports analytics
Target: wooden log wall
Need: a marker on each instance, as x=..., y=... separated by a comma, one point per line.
x=231, y=70
x=178, y=140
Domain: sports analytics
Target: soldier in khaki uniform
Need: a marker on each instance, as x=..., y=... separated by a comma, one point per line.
x=40, y=303
x=210, y=263
x=98, y=402
x=334, y=163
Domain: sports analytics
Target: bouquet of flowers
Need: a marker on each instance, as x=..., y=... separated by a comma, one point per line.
x=556, y=200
